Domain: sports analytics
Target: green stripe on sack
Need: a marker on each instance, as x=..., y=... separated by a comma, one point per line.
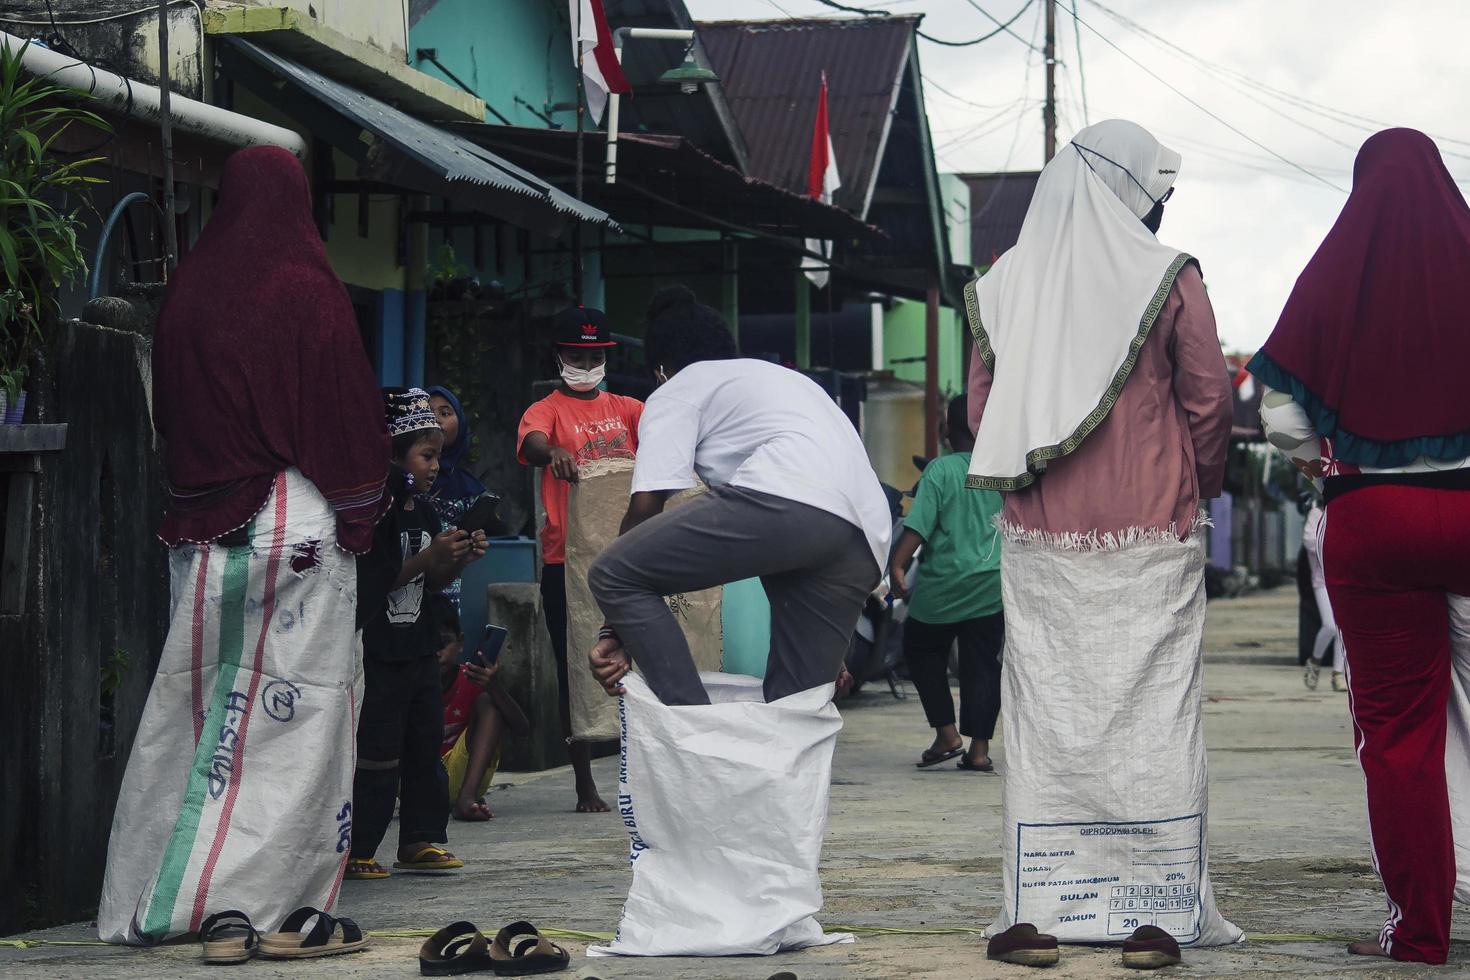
x=233, y=588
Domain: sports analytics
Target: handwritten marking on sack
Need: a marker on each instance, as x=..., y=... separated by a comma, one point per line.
x=279, y=700
x=344, y=827
x=222, y=764
x=680, y=605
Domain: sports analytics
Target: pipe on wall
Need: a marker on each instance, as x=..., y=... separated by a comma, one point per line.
x=140, y=101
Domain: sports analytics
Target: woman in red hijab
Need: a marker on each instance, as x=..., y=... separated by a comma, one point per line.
x=1366, y=392
x=239, y=787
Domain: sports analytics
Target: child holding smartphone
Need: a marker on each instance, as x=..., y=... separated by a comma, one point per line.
x=398, y=730
x=477, y=711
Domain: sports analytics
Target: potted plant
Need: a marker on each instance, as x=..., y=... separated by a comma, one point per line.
x=41, y=197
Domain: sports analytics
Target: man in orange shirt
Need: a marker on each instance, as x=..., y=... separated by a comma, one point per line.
x=575, y=424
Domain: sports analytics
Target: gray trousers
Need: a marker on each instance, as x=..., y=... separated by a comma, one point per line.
x=817, y=570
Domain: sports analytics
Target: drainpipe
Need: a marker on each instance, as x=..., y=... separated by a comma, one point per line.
x=141, y=101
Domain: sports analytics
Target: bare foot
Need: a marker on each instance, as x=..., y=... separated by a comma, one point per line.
x=1366, y=947
x=590, y=802
x=472, y=813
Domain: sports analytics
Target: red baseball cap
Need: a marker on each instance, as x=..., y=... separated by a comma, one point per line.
x=582, y=326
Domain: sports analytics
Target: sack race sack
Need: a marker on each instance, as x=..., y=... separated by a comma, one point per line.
x=595, y=509
x=238, y=792
x=1105, y=794
x=726, y=808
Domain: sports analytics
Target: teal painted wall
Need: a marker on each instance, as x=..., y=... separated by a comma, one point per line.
x=903, y=341
x=504, y=50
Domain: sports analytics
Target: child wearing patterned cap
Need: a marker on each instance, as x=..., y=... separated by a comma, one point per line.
x=400, y=726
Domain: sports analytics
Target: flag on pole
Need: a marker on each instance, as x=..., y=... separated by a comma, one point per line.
x=592, y=48
x=822, y=182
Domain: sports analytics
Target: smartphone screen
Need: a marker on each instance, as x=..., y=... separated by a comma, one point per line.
x=491, y=644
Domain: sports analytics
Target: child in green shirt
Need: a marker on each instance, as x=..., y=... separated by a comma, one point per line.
x=956, y=598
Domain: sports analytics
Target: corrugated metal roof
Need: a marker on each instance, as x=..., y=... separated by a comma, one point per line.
x=998, y=204
x=440, y=162
x=771, y=73
x=667, y=180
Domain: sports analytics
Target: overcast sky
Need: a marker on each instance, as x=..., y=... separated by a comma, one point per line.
x=1251, y=219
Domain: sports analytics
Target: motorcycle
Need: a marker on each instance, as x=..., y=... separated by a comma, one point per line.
x=876, y=649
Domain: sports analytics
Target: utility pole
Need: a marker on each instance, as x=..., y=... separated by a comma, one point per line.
x=165, y=122
x=1049, y=111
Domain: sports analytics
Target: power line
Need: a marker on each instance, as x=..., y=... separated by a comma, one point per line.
x=959, y=98
x=1081, y=71
x=869, y=12
x=1006, y=26
x=1213, y=115
x=1340, y=116
x=979, y=130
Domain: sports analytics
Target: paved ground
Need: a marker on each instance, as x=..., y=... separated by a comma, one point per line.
x=910, y=849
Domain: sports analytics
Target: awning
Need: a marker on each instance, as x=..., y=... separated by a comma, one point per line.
x=394, y=148
x=666, y=180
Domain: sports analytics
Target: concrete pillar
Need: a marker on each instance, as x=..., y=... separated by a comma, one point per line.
x=931, y=371
x=416, y=298
x=730, y=287
x=803, y=321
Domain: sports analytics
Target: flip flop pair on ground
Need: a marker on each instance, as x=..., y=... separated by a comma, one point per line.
x=1149, y=948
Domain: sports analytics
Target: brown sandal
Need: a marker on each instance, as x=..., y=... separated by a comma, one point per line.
x=519, y=950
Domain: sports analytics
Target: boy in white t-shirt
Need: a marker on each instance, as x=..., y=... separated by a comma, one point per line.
x=793, y=501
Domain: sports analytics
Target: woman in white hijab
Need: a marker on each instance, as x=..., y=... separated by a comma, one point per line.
x=1101, y=403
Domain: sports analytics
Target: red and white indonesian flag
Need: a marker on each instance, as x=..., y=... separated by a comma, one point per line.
x=592, y=45
x=821, y=183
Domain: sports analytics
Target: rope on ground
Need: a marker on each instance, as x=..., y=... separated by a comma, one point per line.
x=604, y=937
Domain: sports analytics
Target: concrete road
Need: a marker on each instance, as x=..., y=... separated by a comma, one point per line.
x=912, y=849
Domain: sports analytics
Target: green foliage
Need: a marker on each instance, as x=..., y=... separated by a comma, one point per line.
x=445, y=268
x=41, y=197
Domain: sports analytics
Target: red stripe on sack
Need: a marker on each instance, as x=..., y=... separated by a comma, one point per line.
x=237, y=767
x=197, y=639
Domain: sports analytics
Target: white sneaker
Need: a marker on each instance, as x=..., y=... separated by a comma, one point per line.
x=1339, y=681
x=1311, y=673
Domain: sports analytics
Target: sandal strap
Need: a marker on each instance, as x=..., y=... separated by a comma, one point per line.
x=321, y=932
x=454, y=940
x=530, y=941
x=233, y=919
x=351, y=931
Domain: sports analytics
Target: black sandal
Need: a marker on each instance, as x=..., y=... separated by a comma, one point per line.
x=228, y=937
x=329, y=937
x=932, y=758
x=986, y=766
x=519, y=950
x=456, y=949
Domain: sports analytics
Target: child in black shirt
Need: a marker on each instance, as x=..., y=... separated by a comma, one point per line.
x=401, y=724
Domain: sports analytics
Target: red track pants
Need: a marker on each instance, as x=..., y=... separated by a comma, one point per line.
x=1392, y=555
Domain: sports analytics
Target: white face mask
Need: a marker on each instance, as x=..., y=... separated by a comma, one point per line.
x=580, y=380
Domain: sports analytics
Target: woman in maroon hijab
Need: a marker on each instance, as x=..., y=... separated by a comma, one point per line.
x=1366, y=392
x=239, y=787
